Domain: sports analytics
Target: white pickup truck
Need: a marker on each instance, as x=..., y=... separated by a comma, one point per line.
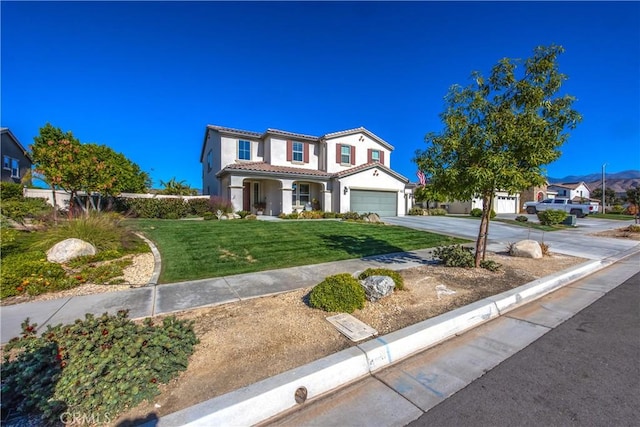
x=567, y=205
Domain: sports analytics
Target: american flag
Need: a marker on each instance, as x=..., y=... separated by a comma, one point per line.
x=421, y=178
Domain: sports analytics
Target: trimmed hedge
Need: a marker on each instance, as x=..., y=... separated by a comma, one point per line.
x=339, y=293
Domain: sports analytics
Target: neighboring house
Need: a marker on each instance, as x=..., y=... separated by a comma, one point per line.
x=16, y=161
x=503, y=202
x=277, y=171
x=576, y=191
x=536, y=194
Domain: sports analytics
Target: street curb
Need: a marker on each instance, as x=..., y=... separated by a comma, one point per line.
x=274, y=396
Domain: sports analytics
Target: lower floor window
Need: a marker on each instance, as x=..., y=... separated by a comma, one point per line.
x=300, y=194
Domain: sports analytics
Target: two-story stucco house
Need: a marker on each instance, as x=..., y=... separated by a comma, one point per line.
x=16, y=161
x=277, y=171
x=576, y=191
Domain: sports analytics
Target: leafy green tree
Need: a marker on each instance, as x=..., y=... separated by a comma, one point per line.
x=499, y=132
x=427, y=193
x=610, y=195
x=633, y=198
x=66, y=163
x=56, y=156
x=177, y=188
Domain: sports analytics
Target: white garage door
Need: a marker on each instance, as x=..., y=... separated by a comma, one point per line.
x=384, y=203
x=506, y=205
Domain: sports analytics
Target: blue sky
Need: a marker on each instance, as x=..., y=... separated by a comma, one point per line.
x=146, y=78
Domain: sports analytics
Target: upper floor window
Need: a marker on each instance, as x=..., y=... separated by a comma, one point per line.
x=345, y=154
x=209, y=160
x=244, y=150
x=11, y=164
x=297, y=151
x=375, y=156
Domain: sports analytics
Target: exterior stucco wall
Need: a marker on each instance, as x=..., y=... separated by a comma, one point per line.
x=362, y=147
x=210, y=183
x=278, y=153
x=372, y=179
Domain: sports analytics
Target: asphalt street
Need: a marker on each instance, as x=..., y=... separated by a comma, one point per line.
x=584, y=372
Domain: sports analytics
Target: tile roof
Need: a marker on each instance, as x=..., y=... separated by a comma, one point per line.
x=269, y=168
x=291, y=134
x=235, y=131
x=367, y=166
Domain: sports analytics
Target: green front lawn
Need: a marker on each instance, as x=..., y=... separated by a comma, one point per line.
x=193, y=250
x=619, y=217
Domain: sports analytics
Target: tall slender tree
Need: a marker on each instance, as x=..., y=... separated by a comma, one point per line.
x=499, y=132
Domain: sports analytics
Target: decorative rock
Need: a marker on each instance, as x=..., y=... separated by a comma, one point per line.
x=376, y=287
x=527, y=249
x=69, y=249
x=373, y=217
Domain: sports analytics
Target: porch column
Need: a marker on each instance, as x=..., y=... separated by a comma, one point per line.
x=326, y=198
x=285, y=190
x=236, y=187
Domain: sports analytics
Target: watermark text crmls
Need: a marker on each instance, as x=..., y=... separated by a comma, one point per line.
x=84, y=418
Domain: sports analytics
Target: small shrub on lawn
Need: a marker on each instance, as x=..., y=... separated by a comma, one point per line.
x=476, y=212
x=243, y=214
x=437, y=212
x=329, y=215
x=310, y=215
x=198, y=207
x=31, y=273
x=251, y=217
x=415, y=211
x=551, y=217
x=99, y=365
x=397, y=278
x=351, y=216
x=217, y=203
x=616, y=210
x=341, y=293
x=208, y=216
x=522, y=218
x=455, y=256
x=490, y=265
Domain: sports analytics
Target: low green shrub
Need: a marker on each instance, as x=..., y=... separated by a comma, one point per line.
x=351, y=216
x=100, y=365
x=551, y=217
x=21, y=209
x=616, y=210
x=438, y=212
x=243, y=214
x=251, y=217
x=10, y=191
x=163, y=208
x=198, y=207
x=217, y=203
x=476, y=212
x=341, y=292
x=397, y=278
x=208, y=216
x=522, y=218
x=490, y=265
x=310, y=215
x=30, y=273
x=416, y=211
x=329, y=215
x=455, y=256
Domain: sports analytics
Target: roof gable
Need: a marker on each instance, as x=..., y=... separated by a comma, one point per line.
x=370, y=134
x=368, y=166
x=16, y=142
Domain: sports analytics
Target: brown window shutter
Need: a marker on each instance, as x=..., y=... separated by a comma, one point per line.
x=289, y=150
x=369, y=159
x=382, y=157
x=338, y=153
x=305, y=150
x=353, y=154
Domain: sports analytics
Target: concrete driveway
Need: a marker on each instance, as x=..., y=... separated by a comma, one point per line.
x=575, y=242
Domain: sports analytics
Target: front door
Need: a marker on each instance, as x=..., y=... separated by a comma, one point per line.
x=246, y=197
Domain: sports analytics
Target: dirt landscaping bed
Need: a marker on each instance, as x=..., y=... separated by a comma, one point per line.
x=245, y=342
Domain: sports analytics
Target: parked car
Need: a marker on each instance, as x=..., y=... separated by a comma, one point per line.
x=567, y=205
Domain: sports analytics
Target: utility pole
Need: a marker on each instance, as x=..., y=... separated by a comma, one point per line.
x=604, y=198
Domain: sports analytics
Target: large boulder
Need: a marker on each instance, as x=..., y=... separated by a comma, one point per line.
x=376, y=287
x=526, y=249
x=69, y=249
x=372, y=217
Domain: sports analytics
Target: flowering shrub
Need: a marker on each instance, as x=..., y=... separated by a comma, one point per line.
x=100, y=365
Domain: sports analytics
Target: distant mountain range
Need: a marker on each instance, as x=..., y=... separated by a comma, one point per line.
x=619, y=182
